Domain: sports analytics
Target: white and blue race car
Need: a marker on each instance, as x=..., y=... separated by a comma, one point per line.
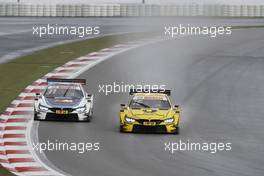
x=64, y=99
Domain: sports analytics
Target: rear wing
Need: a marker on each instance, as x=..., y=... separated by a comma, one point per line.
x=56, y=80
x=163, y=91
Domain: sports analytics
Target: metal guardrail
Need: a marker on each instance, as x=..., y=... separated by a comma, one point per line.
x=128, y=10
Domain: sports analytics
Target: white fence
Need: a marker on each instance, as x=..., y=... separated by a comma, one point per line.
x=124, y=10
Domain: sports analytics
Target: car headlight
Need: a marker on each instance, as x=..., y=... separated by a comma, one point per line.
x=43, y=108
x=169, y=120
x=81, y=109
x=129, y=120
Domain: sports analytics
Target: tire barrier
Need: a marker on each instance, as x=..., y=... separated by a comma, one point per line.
x=130, y=10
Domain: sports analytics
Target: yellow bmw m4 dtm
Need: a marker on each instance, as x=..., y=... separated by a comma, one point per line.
x=149, y=111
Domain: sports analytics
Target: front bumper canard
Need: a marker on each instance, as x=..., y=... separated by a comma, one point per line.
x=138, y=128
x=61, y=114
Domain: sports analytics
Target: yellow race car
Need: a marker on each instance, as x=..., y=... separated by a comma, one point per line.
x=149, y=112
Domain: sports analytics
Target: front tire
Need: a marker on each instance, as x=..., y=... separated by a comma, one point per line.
x=177, y=130
x=88, y=119
x=90, y=113
x=121, y=130
x=35, y=115
x=89, y=116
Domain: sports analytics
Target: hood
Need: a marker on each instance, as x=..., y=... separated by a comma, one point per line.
x=62, y=102
x=147, y=113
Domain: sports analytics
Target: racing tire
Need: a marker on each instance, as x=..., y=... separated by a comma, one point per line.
x=177, y=131
x=90, y=113
x=121, y=129
x=35, y=116
x=88, y=118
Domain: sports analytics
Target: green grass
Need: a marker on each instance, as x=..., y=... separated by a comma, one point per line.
x=4, y=172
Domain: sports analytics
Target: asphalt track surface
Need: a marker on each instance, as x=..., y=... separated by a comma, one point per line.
x=219, y=85
x=16, y=34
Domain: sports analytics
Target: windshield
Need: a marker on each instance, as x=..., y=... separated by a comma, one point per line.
x=149, y=103
x=67, y=91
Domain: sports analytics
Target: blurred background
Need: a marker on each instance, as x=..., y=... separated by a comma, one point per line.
x=140, y=1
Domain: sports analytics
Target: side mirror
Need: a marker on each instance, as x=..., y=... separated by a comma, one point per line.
x=89, y=97
x=176, y=108
x=123, y=107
